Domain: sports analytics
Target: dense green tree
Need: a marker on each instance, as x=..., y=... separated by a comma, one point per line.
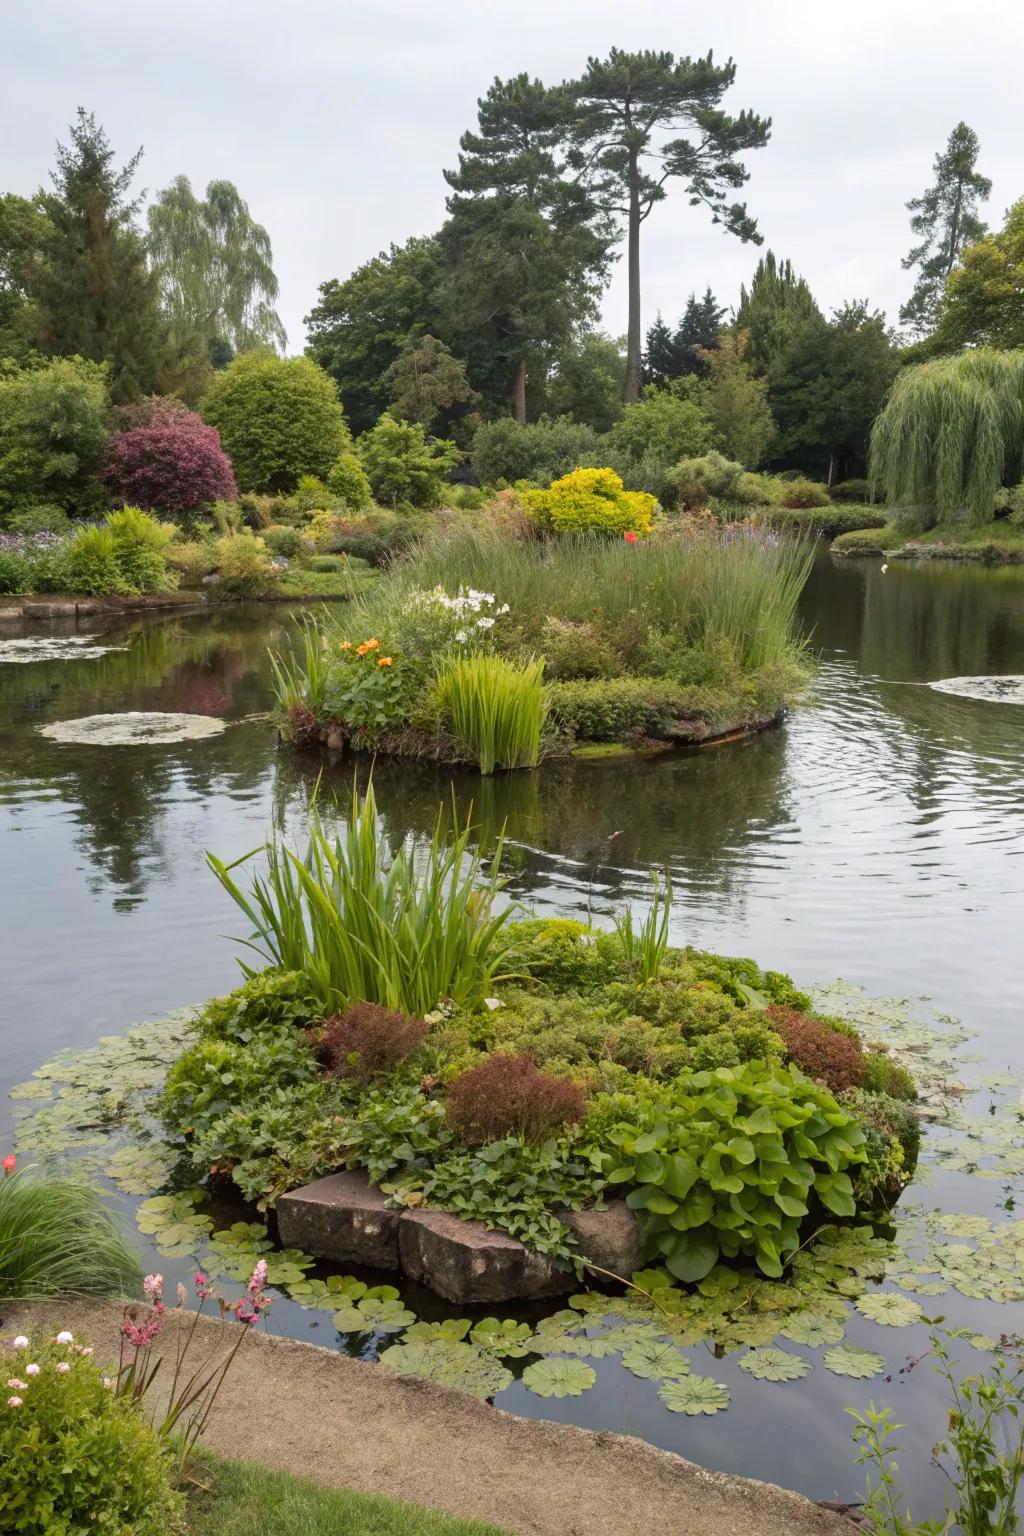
x=525, y=246
x=404, y=466
x=54, y=421
x=950, y=435
x=669, y=354
x=23, y=229
x=587, y=381
x=360, y=325
x=626, y=105
x=214, y=264
x=542, y=451
x=777, y=305
x=736, y=402
x=278, y=419
x=667, y=424
x=945, y=220
x=426, y=382
x=983, y=304
x=92, y=292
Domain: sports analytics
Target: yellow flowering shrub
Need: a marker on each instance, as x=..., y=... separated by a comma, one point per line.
x=590, y=501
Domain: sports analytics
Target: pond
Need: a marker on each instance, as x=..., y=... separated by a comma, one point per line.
x=877, y=836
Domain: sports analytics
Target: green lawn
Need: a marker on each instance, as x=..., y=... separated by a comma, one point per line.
x=249, y=1500
x=300, y=581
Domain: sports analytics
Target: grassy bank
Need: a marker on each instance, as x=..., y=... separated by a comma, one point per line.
x=243, y=1499
x=999, y=542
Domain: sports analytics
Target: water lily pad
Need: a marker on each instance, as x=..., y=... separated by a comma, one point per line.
x=451, y=1364
x=849, y=1360
x=503, y=1336
x=889, y=1309
x=920, y=1286
x=55, y=648
x=958, y=1224
x=812, y=1329
x=983, y=1343
x=133, y=728
x=374, y=1314
x=694, y=1395
x=774, y=1365
x=652, y=1359
x=558, y=1378
x=453, y=1329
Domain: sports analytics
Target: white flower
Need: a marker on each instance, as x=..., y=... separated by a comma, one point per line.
x=20, y=1342
x=65, y=1337
x=504, y=608
x=485, y=623
x=14, y=1402
x=63, y=1367
x=460, y=635
x=86, y=1352
x=32, y=1370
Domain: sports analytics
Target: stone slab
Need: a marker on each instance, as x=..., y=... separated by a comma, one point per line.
x=610, y=1239
x=342, y=1217
x=464, y=1261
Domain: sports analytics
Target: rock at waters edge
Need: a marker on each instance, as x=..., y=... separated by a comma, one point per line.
x=464, y=1261
x=610, y=1238
x=342, y=1217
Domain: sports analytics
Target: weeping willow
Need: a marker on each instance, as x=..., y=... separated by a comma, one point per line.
x=949, y=435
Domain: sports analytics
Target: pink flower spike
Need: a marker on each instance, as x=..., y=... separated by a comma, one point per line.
x=180, y=1294
x=32, y=1370
x=258, y=1278
x=15, y=1402
x=153, y=1286
x=18, y=1385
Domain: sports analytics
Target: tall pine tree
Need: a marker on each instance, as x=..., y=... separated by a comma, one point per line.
x=525, y=246
x=93, y=292
x=945, y=219
x=644, y=119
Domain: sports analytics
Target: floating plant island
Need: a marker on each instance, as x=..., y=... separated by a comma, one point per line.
x=592, y=1111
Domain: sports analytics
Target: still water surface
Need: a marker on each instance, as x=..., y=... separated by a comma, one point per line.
x=877, y=836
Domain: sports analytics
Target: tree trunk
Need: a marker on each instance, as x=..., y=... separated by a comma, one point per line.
x=632, y=389
x=519, y=393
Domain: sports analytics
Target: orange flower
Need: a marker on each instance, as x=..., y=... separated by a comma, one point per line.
x=373, y=645
x=361, y=650
x=346, y=645
x=384, y=661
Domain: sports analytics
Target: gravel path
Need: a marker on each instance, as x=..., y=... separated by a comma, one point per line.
x=350, y=1424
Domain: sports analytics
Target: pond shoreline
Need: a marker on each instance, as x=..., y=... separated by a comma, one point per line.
x=29, y=607
x=433, y=1445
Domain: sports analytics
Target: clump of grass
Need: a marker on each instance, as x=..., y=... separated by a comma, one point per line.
x=644, y=946
x=364, y=923
x=494, y=709
x=57, y=1238
x=301, y=675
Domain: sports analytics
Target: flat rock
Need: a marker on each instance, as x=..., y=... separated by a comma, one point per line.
x=342, y=1217
x=610, y=1239
x=464, y=1261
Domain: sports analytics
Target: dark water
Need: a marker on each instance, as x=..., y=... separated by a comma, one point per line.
x=877, y=836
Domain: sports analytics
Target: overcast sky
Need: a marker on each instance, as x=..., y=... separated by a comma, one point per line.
x=335, y=117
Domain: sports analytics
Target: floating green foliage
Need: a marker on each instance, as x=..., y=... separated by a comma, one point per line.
x=450, y=1364
x=502, y=1336
x=812, y=1329
x=654, y=1359
x=558, y=1378
x=849, y=1360
x=379, y=1310
x=452, y=1329
x=694, y=1395
x=774, y=1365
x=889, y=1309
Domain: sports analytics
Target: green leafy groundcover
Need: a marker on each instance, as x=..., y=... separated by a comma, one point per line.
x=689, y=1107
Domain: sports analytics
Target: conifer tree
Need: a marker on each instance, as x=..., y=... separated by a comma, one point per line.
x=945, y=219
x=626, y=105
x=93, y=293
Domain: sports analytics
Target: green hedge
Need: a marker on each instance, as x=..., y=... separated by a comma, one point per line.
x=614, y=708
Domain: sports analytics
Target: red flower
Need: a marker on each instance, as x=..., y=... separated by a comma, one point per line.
x=629, y=536
x=10, y=1162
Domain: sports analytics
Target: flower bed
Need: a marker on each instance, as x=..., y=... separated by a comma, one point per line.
x=598, y=1065
x=677, y=636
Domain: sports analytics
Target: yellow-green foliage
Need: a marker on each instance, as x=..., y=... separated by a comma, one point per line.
x=495, y=710
x=590, y=501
